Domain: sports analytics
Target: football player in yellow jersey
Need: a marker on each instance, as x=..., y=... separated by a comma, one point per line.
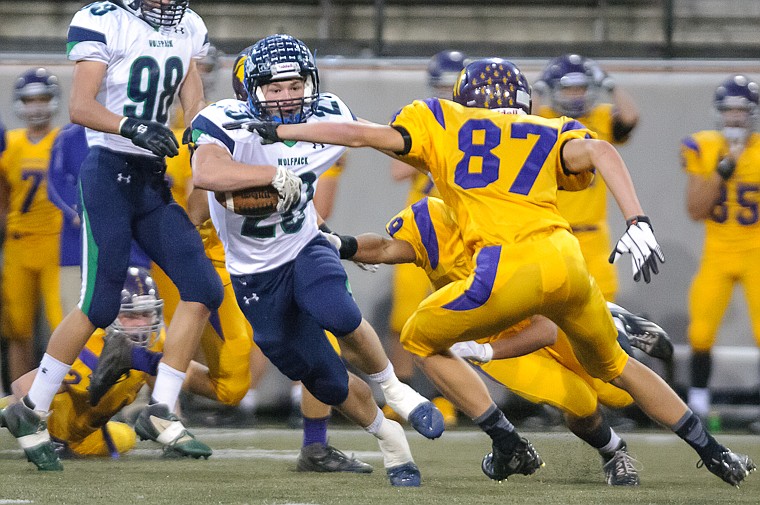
x=410, y=285
x=33, y=225
x=723, y=190
x=426, y=235
x=499, y=170
x=78, y=428
x=573, y=83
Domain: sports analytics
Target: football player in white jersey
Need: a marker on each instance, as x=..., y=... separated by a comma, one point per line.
x=132, y=60
x=288, y=279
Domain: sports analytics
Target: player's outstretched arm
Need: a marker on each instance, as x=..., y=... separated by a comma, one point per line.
x=354, y=134
x=373, y=248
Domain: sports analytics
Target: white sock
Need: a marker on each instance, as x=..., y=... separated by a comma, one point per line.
x=699, y=401
x=50, y=375
x=383, y=375
x=612, y=445
x=250, y=401
x=392, y=441
x=400, y=397
x=168, y=384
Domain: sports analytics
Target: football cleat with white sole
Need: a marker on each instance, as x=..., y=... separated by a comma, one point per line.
x=157, y=423
x=114, y=361
x=732, y=467
x=406, y=475
x=620, y=469
x=326, y=458
x=523, y=459
x=30, y=429
x=642, y=333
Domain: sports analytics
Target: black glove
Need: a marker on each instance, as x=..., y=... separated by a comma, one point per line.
x=267, y=130
x=150, y=135
x=726, y=168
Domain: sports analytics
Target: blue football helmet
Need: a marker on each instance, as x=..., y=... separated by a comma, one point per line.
x=278, y=58
x=36, y=82
x=443, y=70
x=157, y=12
x=493, y=83
x=571, y=71
x=736, y=104
x=141, y=314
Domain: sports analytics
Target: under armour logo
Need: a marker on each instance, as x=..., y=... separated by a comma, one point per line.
x=179, y=29
x=123, y=178
x=247, y=299
x=317, y=145
x=43, y=370
x=142, y=129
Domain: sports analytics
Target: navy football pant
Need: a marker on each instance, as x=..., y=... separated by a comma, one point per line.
x=123, y=197
x=290, y=307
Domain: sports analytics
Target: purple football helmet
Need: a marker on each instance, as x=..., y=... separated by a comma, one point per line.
x=36, y=82
x=141, y=314
x=571, y=71
x=493, y=83
x=443, y=70
x=157, y=12
x=736, y=104
x=238, y=74
x=277, y=58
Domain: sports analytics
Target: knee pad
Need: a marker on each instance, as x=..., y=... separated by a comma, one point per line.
x=230, y=392
x=205, y=287
x=330, y=387
x=104, y=310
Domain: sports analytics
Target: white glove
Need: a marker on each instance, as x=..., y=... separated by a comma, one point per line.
x=473, y=351
x=639, y=240
x=367, y=267
x=289, y=186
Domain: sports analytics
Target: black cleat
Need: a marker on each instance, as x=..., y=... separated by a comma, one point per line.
x=732, y=467
x=642, y=333
x=524, y=460
x=619, y=469
x=115, y=360
x=326, y=458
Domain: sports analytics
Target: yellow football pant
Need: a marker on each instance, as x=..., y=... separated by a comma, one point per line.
x=546, y=275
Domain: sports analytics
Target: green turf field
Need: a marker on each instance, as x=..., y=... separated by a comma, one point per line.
x=258, y=467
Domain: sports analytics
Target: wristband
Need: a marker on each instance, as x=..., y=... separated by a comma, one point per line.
x=348, y=247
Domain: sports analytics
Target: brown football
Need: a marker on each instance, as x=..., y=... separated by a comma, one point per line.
x=257, y=201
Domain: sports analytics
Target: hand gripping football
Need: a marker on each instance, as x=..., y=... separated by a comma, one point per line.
x=257, y=201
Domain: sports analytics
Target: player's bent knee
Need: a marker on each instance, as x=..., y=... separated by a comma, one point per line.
x=230, y=394
x=331, y=389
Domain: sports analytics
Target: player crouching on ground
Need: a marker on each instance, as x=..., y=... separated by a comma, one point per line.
x=79, y=429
